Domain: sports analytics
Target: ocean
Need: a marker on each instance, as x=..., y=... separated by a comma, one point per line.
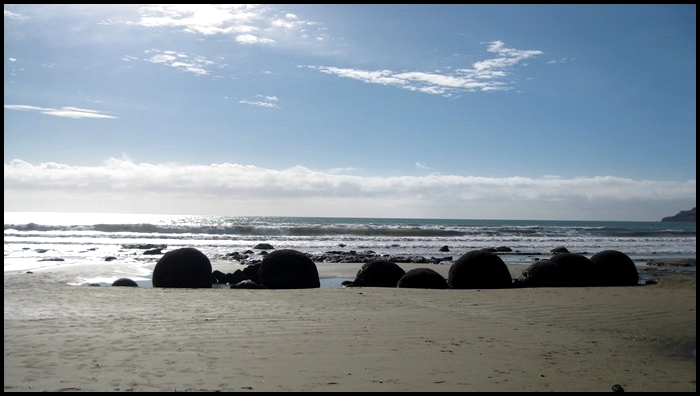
x=104, y=246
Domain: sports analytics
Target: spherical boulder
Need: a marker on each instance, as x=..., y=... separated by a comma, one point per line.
x=576, y=269
x=288, y=269
x=479, y=269
x=422, y=278
x=543, y=273
x=379, y=273
x=614, y=268
x=183, y=268
x=125, y=282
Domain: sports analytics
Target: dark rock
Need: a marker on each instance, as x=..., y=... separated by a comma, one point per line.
x=445, y=249
x=125, y=282
x=219, y=277
x=576, y=269
x=288, y=269
x=154, y=251
x=559, y=249
x=379, y=273
x=110, y=258
x=479, y=269
x=614, y=268
x=264, y=246
x=683, y=215
x=618, y=388
x=183, y=268
x=422, y=278
x=542, y=273
x=250, y=273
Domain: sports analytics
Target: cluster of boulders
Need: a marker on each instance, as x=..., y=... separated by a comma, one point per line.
x=605, y=268
x=477, y=269
x=483, y=269
x=280, y=269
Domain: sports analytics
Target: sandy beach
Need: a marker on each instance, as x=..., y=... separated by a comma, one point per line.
x=60, y=337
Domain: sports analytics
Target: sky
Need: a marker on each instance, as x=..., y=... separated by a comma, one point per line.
x=532, y=112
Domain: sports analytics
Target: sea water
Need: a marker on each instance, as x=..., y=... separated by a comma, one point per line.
x=43, y=241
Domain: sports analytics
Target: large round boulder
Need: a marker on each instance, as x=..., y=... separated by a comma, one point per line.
x=614, y=268
x=576, y=269
x=183, y=268
x=288, y=269
x=543, y=273
x=479, y=269
x=125, y=282
x=422, y=278
x=379, y=273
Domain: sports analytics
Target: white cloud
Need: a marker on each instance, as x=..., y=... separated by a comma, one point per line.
x=15, y=16
x=248, y=23
x=189, y=63
x=68, y=112
x=263, y=101
x=252, y=39
x=235, y=189
x=486, y=75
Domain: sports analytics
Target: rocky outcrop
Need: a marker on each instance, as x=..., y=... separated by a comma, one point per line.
x=683, y=215
x=249, y=273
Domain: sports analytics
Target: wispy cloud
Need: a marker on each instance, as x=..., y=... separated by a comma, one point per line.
x=262, y=101
x=487, y=75
x=229, y=188
x=196, y=64
x=15, y=16
x=69, y=112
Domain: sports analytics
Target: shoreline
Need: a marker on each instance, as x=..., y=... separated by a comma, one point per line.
x=652, y=269
x=59, y=337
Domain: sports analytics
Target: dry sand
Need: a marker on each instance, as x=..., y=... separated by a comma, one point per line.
x=60, y=337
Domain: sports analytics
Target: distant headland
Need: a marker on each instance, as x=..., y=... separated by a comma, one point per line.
x=683, y=215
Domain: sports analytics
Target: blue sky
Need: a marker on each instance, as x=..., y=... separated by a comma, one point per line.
x=563, y=112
